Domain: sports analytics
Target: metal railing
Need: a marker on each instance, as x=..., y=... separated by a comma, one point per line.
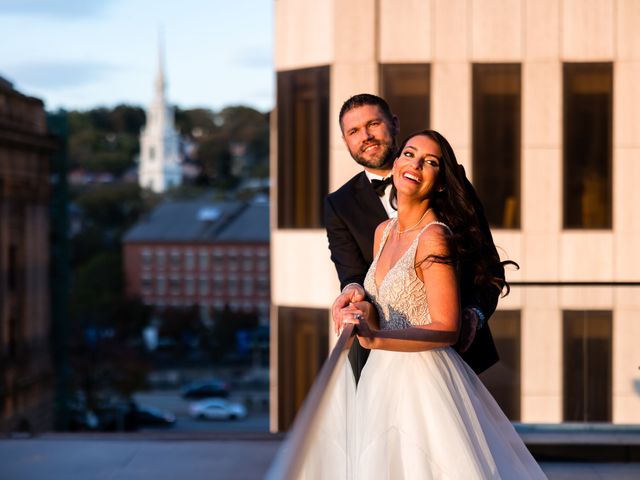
x=290, y=457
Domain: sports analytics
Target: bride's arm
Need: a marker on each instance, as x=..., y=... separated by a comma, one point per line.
x=443, y=298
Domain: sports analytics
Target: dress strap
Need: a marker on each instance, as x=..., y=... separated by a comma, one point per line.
x=435, y=222
x=385, y=235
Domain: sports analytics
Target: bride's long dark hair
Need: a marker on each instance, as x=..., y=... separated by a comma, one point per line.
x=458, y=206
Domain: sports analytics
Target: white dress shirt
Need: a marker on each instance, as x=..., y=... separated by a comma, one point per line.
x=391, y=212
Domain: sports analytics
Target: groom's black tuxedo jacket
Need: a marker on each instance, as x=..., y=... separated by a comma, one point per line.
x=352, y=214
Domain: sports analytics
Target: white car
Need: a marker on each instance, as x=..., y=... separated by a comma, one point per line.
x=217, y=409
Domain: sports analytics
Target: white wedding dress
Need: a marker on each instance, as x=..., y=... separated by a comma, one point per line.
x=414, y=415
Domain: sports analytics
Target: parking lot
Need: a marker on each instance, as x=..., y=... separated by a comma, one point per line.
x=256, y=402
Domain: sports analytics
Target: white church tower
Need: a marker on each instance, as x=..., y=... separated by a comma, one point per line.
x=159, y=167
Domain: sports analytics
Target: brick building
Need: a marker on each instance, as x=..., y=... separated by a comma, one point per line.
x=201, y=252
x=26, y=376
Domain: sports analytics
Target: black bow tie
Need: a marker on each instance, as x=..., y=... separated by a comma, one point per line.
x=380, y=185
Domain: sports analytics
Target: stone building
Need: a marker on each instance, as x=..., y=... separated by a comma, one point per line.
x=26, y=374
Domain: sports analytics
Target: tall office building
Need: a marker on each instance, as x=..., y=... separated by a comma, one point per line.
x=540, y=103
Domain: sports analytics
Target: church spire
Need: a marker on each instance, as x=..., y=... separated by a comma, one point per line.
x=160, y=81
x=160, y=167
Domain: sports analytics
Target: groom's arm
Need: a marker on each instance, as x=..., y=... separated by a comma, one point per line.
x=345, y=252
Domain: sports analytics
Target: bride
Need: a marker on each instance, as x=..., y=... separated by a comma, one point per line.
x=419, y=411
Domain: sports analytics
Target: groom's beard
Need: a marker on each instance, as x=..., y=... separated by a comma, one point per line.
x=381, y=160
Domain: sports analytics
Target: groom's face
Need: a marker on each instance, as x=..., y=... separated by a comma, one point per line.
x=370, y=136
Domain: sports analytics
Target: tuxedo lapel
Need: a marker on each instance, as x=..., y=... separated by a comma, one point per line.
x=368, y=213
x=369, y=201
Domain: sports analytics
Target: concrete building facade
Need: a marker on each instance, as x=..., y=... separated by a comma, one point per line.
x=539, y=101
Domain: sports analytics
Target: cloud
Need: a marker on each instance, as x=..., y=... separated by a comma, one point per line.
x=59, y=75
x=63, y=9
x=258, y=57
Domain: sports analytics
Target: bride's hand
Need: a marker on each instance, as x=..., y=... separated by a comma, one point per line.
x=365, y=318
x=351, y=293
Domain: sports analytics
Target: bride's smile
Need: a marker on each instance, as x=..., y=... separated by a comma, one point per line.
x=417, y=168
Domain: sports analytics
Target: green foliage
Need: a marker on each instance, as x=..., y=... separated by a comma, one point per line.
x=105, y=140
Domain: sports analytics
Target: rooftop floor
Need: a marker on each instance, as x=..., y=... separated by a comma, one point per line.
x=166, y=456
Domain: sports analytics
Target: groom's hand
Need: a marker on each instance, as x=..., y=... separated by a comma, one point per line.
x=468, y=328
x=352, y=293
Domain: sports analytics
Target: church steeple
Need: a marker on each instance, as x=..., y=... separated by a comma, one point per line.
x=160, y=81
x=159, y=153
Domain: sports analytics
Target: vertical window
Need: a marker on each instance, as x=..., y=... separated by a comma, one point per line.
x=496, y=141
x=175, y=258
x=204, y=260
x=146, y=257
x=588, y=111
x=189, y=286
x=247, y=286
x=147, y=284
x=302, y=349
x=303, y=146
x=189, y=259
x=406, y=88
x=587, y=366
x=503, y=379
x=161, y=285
x=204, y=286
x=160, y=258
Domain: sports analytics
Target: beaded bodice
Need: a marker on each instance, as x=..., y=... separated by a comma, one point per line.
x=401, y=299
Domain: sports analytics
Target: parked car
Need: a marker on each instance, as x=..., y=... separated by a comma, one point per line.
x=206, y=389
x=153, y=417
x=217, y=409
x=128, y=416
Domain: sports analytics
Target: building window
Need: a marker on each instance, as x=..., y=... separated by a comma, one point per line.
x=161, y=285
x=203, y=260
x=503, y=379
x=146, y=284
x=175, y=285
x=218, y=284
x=204, y=286
x=189, y=287
x=587, y=143
x=146, y=257
x=189, y=260
x=406, y=88
x=587, y=363
x=302, y=349
x=262, y=284
x=161, y=258
x=175, y=258
x=232, y=285
x=218, y=258
x=496, y=141
x=303, y=146
x=247, y=286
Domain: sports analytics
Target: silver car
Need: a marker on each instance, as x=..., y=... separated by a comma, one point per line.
x=217, y=409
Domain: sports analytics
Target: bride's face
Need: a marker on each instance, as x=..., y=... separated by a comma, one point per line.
x=416, y=171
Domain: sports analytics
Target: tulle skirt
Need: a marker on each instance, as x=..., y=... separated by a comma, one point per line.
x=422, y=415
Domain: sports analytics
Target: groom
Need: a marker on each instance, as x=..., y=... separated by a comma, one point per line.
x=353, y=212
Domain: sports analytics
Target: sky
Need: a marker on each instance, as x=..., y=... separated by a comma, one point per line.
x=81, y=54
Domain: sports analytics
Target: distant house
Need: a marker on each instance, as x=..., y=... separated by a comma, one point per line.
x=201, y=252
